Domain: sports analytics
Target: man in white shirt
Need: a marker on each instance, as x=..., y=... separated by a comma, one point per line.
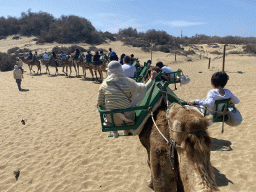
x=165, y=69
x=46, y=56
x=128, y=69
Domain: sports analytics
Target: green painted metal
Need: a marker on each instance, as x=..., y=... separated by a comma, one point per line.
x=142, y=110
x=224, y=107
x=153, y=94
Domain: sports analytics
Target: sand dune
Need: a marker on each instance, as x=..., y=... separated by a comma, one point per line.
x=61, y=146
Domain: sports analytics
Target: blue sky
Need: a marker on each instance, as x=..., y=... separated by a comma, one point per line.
x=209, y=17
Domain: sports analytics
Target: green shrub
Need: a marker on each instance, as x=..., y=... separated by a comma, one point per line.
x=16, y=37
x=189, y=52
x=216, y=53
x=164, y=48
x=20, y=52
x=67, y=50
x=12, y=50
x=7, y=62
x=250, y=48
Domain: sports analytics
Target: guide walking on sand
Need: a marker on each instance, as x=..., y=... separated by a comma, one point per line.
x=17, y=74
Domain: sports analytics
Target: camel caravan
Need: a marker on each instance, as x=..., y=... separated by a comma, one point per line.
x=173, y=132
x=96, y=64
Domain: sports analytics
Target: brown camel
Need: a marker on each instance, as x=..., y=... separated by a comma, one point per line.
x=32, y=62
x=96, y=68
x=51, y=62
x=67, y=63
x=79, y=62
x=187, y=168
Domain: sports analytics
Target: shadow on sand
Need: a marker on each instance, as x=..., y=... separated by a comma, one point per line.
x=239, y=72
x=220, y=179
x=221, y=145
x=24, y=90
x=87, y=79
x=37, y=74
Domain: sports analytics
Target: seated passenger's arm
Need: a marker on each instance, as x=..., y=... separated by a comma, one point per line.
x=101, y=97
x=208, y=102
x=234, y=99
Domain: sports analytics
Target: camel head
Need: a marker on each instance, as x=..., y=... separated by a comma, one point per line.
x=189, y=125
x=188, y=128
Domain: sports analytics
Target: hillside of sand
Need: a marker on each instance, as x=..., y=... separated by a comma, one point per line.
x=62, y=148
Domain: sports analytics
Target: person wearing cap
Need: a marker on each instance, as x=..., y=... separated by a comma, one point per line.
x=17, y=75
x=113, y=56
x=119, y=92
x=165, y=69
x=129, y=70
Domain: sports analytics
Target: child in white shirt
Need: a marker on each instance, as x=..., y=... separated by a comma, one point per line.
x=218, y=80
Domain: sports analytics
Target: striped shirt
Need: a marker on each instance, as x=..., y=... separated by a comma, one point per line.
x=113, y=98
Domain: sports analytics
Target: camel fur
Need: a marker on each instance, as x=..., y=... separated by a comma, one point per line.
x=192, y=168
x=32, y=62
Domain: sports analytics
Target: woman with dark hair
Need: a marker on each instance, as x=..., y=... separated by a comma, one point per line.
x=121, y=59
x=218, y=81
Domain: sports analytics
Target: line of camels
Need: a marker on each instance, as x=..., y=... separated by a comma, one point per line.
x=70, y=62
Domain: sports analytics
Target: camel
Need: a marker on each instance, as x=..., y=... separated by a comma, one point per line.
x=50, y=62
x=32, y=62
x=67, y=63
x=187, y=167
x=100, y=68
x=80, y=62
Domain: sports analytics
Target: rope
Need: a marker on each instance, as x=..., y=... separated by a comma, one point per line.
x=158, y=128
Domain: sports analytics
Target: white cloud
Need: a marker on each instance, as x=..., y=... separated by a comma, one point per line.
x=179, y=23
x=113, y=22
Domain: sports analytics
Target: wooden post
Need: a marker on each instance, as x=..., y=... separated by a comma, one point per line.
x=209, y=63
x=200, y=55
x=151, y=50
x=175, y=55
x=224, y=53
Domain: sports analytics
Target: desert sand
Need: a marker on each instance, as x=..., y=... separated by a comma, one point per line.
x=62, y=148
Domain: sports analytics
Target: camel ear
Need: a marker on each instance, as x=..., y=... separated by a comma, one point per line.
x=208, y=119
x=176, y=126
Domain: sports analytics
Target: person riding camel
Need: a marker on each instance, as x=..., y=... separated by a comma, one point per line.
x=54, y=55
x=77, y=53
x=113, y=56
x=88, y=57
x=30, y=55
x=118, y=91
x=110, y=50
x=96, y=57
x=62, y=56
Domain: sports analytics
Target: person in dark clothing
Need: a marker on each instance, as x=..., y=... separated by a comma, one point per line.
x=121, y=59
x=132, y=59
x=113, y=56
x=54, y=55
x=96, y=57
x=77, y=53
x=30, y=55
